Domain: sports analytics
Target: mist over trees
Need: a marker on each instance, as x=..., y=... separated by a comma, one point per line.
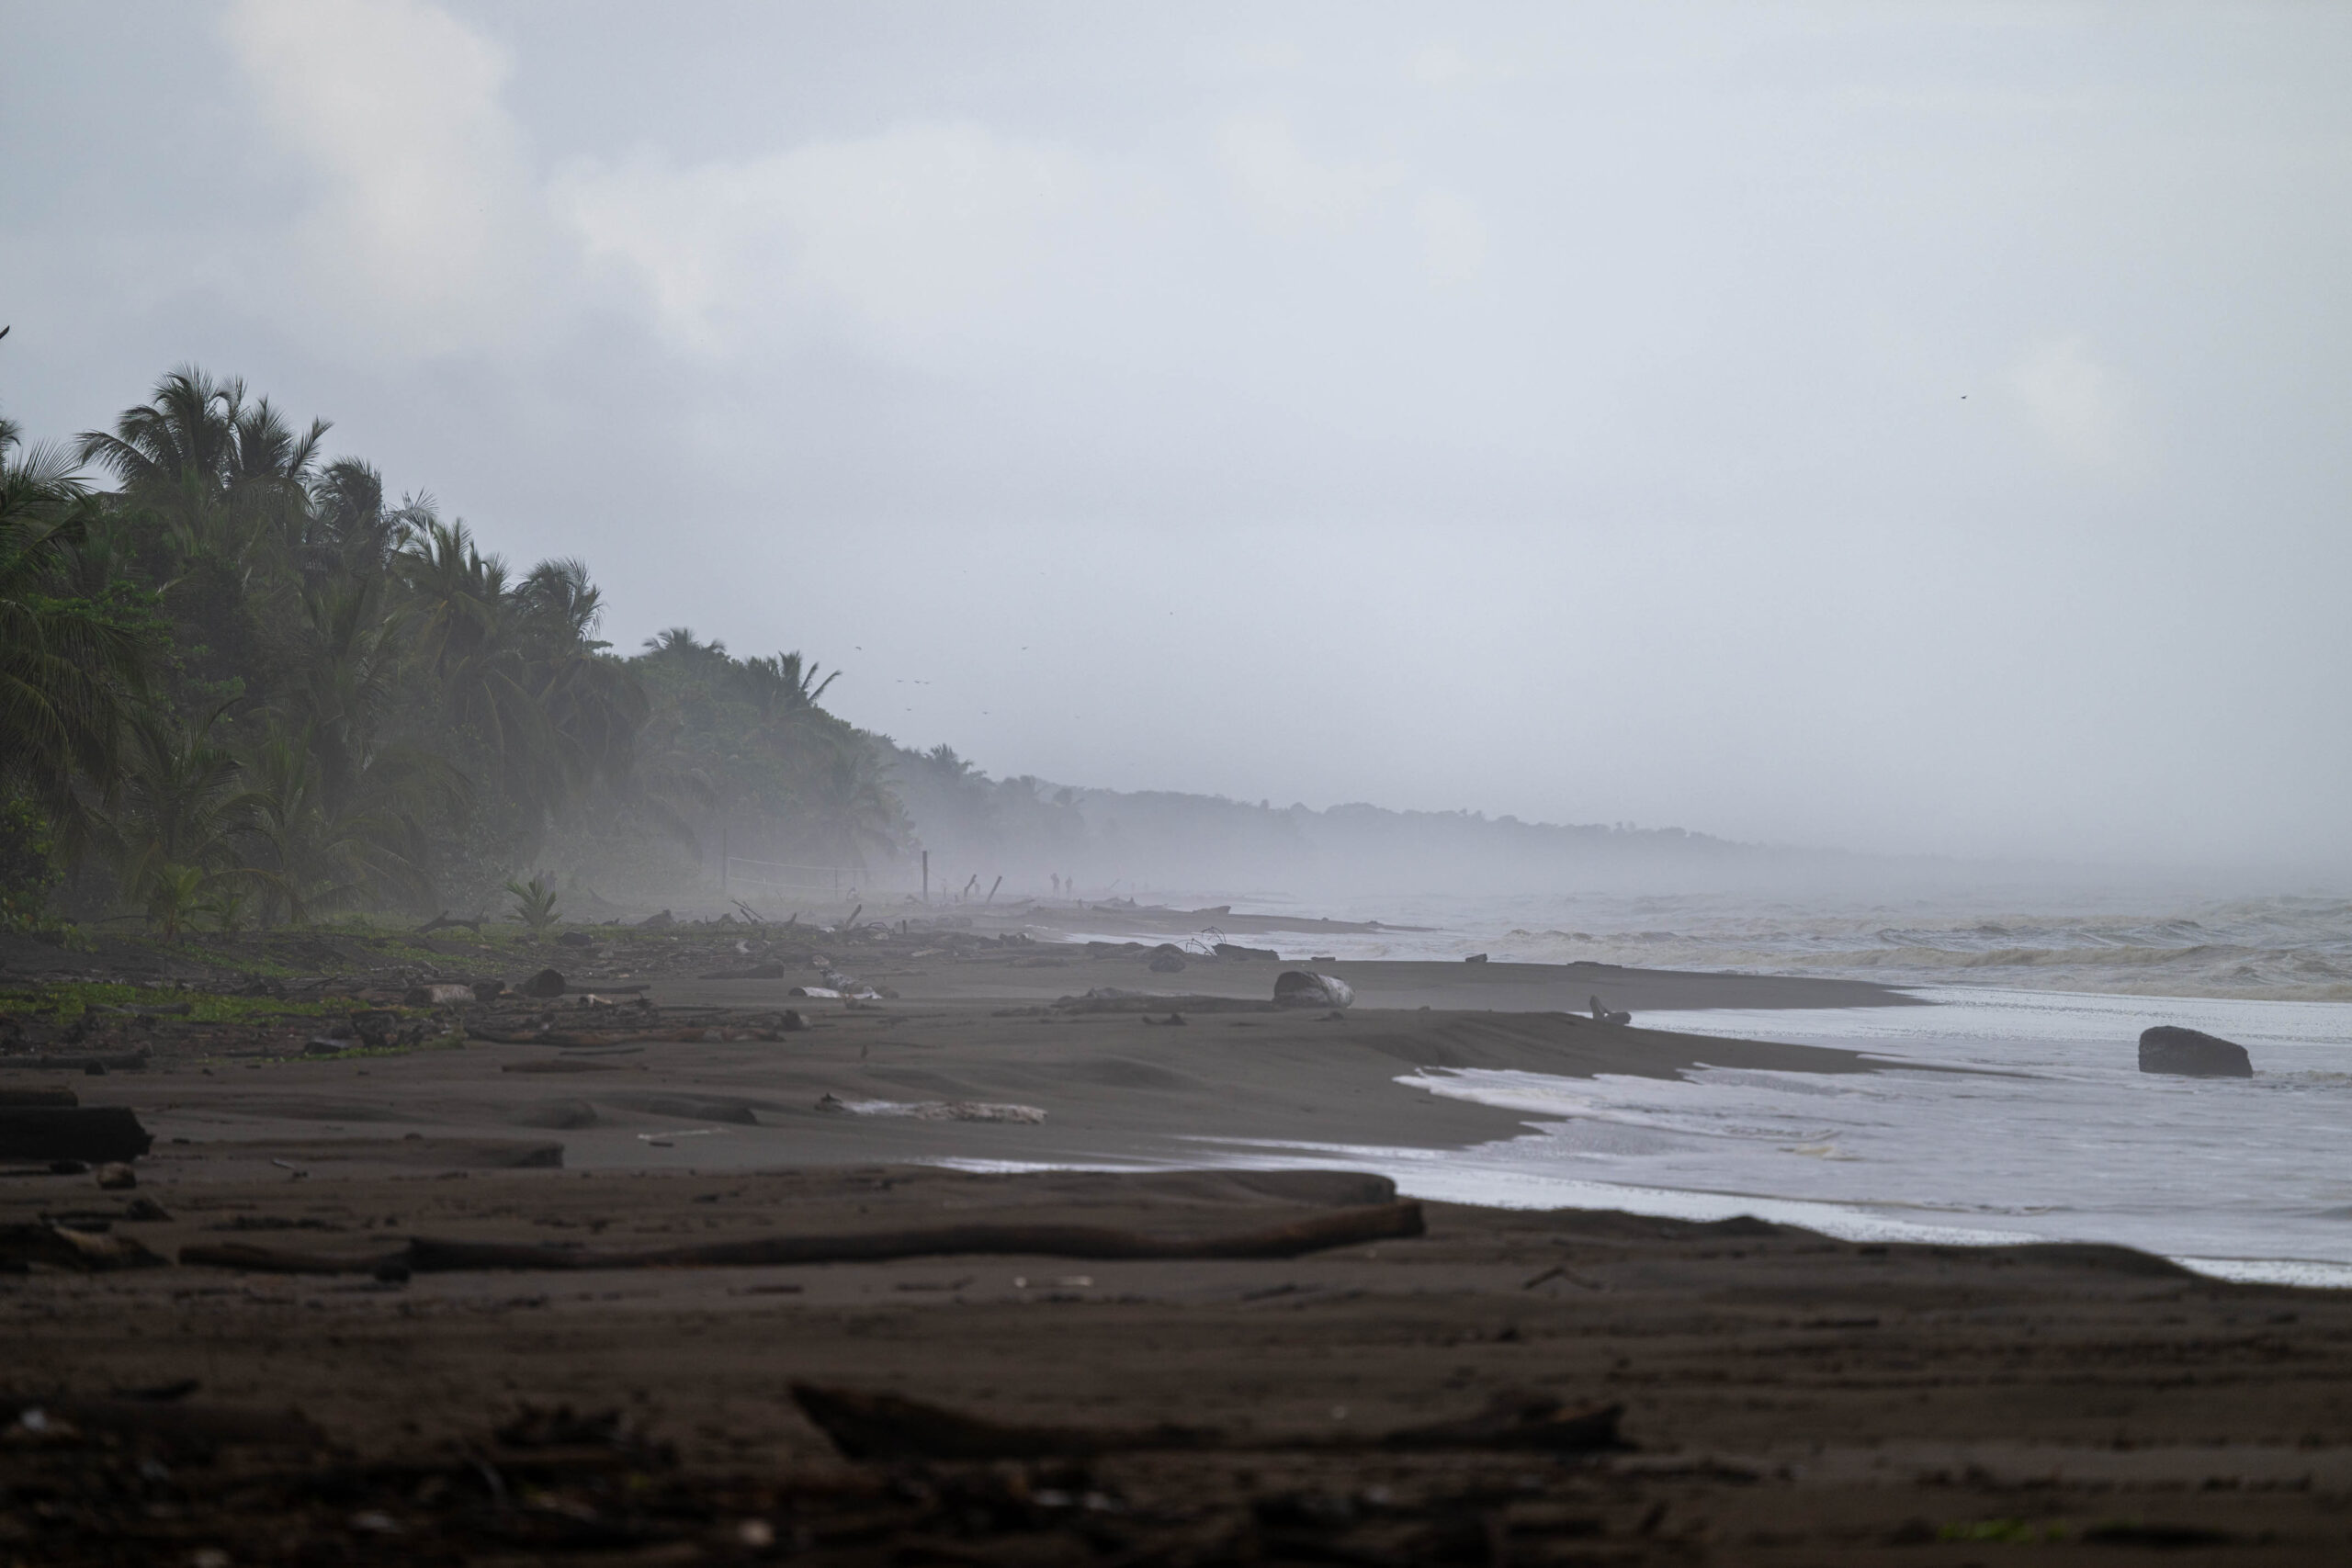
x=246, y=684
x=242, y=684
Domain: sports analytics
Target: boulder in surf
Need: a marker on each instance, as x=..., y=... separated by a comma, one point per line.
x=2193, y=1054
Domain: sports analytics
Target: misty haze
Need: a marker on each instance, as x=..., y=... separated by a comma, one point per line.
x=1305, y=782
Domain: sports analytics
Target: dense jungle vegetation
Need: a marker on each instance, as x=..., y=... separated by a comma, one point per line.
x=241, y=684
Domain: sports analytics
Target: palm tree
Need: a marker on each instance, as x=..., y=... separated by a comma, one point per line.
x=72, y=660
x=779, y=687
x=850, y=809
x=183, y=820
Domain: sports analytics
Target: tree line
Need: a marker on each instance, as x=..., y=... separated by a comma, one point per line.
x=241, y=683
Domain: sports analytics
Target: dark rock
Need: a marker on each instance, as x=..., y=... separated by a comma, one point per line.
x=488, y=990
x=546, y=983
x=575, y=939
x=2193, y=1054
x=1167, y=964
x=115, y=1177
x=1297, y=988
x=1475, y=958
x=97, y=1134
x=661, y=922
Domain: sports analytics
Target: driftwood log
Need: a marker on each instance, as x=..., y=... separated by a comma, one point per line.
x=166, y=1424
x=1344, y=1228
x=426, y=1255
x=866, y=1426
x=116, y=1062
x=63, y=1246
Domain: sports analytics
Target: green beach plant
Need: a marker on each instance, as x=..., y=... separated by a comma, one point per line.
x=535, y=905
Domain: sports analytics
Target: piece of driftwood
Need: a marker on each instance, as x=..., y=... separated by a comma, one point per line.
x=252, y=1259
x=1114, y=1002
x=116, y=1062
x=442, y=922
x=1319, y=1232
x=62, y=1246
x=1529, y=1420
x=171, y=1424
x=885, y=1426
x=866, y=1426
x=98, y=1134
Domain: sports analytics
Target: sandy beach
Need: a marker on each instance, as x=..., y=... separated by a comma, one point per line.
x=1778, y=1396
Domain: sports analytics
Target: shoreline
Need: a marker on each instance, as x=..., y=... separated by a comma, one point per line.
x=1775, y=1394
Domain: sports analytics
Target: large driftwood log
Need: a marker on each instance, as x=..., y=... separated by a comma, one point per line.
x=282, y=1260
x=187, y=1429
x=426, y=1255
x=1346, y=1227
x=887, y=1426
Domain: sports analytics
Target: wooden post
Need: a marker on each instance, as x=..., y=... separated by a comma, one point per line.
x=992, y=888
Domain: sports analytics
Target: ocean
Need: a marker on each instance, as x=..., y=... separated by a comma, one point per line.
x=2012, y=1110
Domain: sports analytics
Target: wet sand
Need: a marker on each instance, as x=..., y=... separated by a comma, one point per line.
x=1787, y=1398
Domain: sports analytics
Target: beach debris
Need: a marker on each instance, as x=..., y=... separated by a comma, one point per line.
x=1301, y=988
x=575, y=939
x=1475, y=958
x=1165, y=959
x=96, y=1066
x=1604, y=1015
x=1229, y=950
x=934, y=1110
x=1317, y=1233
x=438, y=996
x=2193, y=1054
x=888, y=1427
x=116, y=1176
x=546, y=983
x=488, y=991
x=166, y=1421
x=821, y=993
x=442, y=922
x=97, y=1134
x=64, y=1247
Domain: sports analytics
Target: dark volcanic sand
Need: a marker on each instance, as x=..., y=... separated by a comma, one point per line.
x=1788, y=1398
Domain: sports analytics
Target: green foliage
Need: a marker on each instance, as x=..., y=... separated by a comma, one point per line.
x=535, y=905
x=28, y=861
x=250, y=688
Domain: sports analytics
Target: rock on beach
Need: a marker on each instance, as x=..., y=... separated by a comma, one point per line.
x=2192, y=1053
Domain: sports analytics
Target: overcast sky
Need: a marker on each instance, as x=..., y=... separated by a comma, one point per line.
x=1900, y=427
